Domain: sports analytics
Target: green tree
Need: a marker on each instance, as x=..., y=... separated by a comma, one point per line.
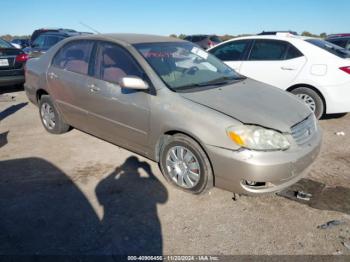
x=323, y=35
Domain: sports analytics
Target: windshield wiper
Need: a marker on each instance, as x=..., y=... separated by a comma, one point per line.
x=219, y=81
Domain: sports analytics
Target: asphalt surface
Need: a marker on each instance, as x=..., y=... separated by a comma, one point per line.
x=76, y=194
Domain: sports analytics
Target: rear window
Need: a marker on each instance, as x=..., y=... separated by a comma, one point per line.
x=197, y=38
x=4, y=44
x=215, y=39
x=338, y=42
x=329, y=47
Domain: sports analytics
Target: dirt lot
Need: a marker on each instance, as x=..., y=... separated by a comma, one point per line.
x=74, y=193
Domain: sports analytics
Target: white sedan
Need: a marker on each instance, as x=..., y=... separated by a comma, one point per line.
x=315, y=70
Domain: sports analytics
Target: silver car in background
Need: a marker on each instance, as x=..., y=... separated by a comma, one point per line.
x=174, y=103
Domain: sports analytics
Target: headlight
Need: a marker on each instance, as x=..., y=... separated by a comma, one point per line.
x=257, y=138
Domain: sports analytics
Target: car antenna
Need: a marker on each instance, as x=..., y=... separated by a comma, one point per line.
x=89, y=27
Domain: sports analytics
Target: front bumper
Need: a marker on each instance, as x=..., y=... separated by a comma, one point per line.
x=278, y=169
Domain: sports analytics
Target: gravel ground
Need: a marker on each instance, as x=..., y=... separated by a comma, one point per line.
x=74, y=194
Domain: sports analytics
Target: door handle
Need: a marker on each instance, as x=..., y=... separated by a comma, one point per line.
x=93, y=88
x=287, y=68
x=52, y=75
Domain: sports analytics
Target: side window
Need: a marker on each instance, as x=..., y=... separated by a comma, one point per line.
x=347, y=45
x=74, y=57
x=293, y=52
x=39, y=42
x=113, y=63
x=52, y=40
x=268, y=50
x=232, y=51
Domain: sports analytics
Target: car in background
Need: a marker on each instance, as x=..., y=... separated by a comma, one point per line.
x=204, y=41
x=12, y=61
x=169, y=100
x=46, y=40
x=342, y=40
x=40, y=31
x=318, y=72
x=21, y=42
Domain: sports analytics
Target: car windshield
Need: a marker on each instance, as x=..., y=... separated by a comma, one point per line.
x=4, y=44
x=331, y=48
x=185, y=66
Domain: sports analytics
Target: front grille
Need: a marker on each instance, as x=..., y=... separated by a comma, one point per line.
x=303, y=131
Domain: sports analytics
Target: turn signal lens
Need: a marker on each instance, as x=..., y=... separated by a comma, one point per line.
x=236, y=138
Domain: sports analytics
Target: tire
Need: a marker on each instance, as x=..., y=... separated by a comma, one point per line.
x=311, y=96
x=201, y=183
x=58, y=126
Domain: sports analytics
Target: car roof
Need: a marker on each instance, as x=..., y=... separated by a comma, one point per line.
x=278, y=36
x=131, y=38
x=63, y=33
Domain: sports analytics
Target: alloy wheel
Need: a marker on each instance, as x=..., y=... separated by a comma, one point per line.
x=48, y=116
x=308, y=100
x=183, y=167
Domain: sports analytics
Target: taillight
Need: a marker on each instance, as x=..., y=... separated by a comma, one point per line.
x=22, y=58
x=346, y=69
x=210, y=43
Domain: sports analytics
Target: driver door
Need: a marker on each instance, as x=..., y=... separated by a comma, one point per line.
x=118, y=115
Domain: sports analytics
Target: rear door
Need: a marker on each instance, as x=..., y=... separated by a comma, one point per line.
x=67, y=81
x=273, y=62
x=119, y=115
x=232, y=53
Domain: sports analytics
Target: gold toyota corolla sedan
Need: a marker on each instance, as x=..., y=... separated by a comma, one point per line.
x=174, y=103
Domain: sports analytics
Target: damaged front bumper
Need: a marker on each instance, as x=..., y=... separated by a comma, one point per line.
x=253, y=172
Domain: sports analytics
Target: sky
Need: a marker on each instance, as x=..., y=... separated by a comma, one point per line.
x=164, y=17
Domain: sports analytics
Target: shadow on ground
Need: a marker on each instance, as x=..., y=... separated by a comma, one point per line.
x=323, y=197
x=11, y=110
x=44, y=212
x=3, y=138
x=10, y=89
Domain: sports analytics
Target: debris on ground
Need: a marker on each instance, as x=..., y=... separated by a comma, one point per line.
x=341, y=133
x=303, y=195
x=235, y=197
x=331, y=224
x=346, y=244
x=7, y=98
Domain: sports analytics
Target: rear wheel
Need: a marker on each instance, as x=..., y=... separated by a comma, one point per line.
x=185, y=165
x=312, y=99
x=50, y=118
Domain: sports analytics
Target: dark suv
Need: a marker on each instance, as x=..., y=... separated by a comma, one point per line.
x=43, y=39
x=204, y=41
x=342, y=40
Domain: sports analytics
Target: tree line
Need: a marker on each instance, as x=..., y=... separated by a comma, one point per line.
x=225, y=37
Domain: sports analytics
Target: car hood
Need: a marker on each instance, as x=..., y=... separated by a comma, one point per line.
x=253, y=102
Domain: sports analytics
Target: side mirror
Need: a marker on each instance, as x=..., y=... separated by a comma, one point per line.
x=133, y=82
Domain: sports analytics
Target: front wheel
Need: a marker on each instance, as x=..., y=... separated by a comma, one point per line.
x=312, y=99
x=185, y=165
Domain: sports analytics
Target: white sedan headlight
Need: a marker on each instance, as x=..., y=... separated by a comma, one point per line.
x=258, y=138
